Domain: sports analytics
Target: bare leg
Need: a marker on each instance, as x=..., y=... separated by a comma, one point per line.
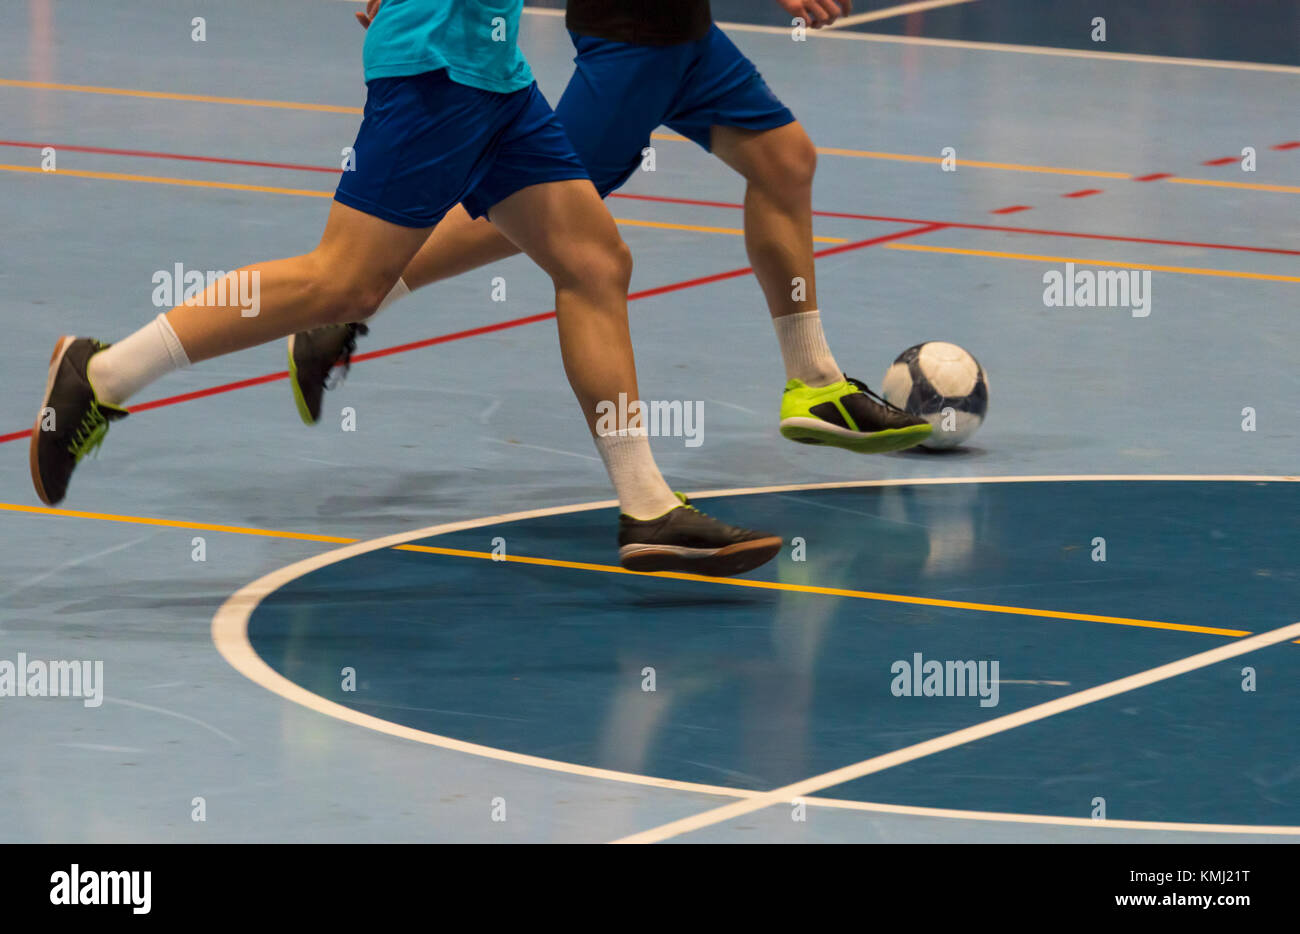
x=778, y=165
x=456, y=245
x=343, y=279
x=565, y=228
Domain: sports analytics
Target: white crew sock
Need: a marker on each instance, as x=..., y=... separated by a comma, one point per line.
x=118, y=373
x=398, y=291
x=804, y=349
x=642, y=491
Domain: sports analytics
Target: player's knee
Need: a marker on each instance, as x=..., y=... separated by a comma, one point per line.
x=343, y=302
x=791, y=165
x=605, y=265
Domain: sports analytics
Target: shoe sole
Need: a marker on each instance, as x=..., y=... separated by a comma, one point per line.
x=813, y=431
x=33, y=455
x=709, y=562
x=303, y=411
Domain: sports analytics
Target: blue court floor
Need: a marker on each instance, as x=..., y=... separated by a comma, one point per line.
x=307, y=629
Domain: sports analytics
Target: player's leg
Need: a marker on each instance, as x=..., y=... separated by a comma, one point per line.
x=537, y=194
x=357, y=261
x=408, y=175
x=778, y=166
x=729, y=110
x=617, y=95
x=565, y=228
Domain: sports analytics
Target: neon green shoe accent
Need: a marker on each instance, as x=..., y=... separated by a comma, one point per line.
x=799, y=398
x=90, y=433
x=298, y=399
x=684, y=502
x=797, y=404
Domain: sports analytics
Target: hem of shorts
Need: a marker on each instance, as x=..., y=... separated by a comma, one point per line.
x=576, y=173
x=458, y=75
x=770, y=122
x=384, y=214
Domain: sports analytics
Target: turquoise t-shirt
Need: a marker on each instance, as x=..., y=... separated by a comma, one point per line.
x=475, y=40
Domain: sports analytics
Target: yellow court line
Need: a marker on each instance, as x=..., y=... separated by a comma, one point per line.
x=674, y=137
x=304, y=192
x=169, y=96
x=175, y=524
x=935, y=160
x=1186, y=270
x=829, y=591
x=1250, y=186
x=614, y=569
x=167, y=180
x=735, y=231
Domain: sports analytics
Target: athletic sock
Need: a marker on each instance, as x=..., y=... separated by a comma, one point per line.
x=804, y=349
x=398, y=291
x=128, y=366
x=642, y=491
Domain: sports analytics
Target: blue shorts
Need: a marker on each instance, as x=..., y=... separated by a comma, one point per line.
x=427, y=143
x=620, y=92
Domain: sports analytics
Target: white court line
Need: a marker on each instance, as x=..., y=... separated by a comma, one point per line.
x=961, y=737
x=891, y=11
x=230, y=636
x=833, y=33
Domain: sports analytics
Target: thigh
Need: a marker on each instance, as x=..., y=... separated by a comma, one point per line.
x=564, y=226
x=783, y=156
x=363, y=252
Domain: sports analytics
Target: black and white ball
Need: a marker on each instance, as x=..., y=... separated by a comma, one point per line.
x=943, y=384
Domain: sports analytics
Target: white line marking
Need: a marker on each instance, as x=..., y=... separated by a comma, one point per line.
x=952, y=814
x=1022, y=49
x=892, y=11
x=99, y=747
x=833, y=33
x=230, y=636
x=961, y=737
x=172, y=713
x=33, y=581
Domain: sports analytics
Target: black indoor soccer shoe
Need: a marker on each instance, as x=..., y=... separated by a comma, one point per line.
x=313, y=355
x=848, y=415
x=685, y=539
x=72, y=422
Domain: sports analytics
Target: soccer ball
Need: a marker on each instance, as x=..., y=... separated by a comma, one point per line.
x=943, y=384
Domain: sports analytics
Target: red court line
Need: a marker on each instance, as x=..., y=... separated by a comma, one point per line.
x=1013, y=209
x=497, y=326
x=1034, y=231
x=726, y=204
x=1223, y=161
x=145, y=154
x=1153, y=177
x=1082, y=193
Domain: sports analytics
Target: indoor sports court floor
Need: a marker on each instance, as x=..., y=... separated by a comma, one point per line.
x=505, y=700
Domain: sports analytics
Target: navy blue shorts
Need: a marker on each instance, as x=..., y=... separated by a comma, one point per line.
x=427, y=143
x=620, y=92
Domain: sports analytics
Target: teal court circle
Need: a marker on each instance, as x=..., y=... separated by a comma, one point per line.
x=755, y=687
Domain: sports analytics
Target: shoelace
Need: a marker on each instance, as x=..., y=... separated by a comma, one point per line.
x=863, y=387
x=89, y=434
x=344, y=362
